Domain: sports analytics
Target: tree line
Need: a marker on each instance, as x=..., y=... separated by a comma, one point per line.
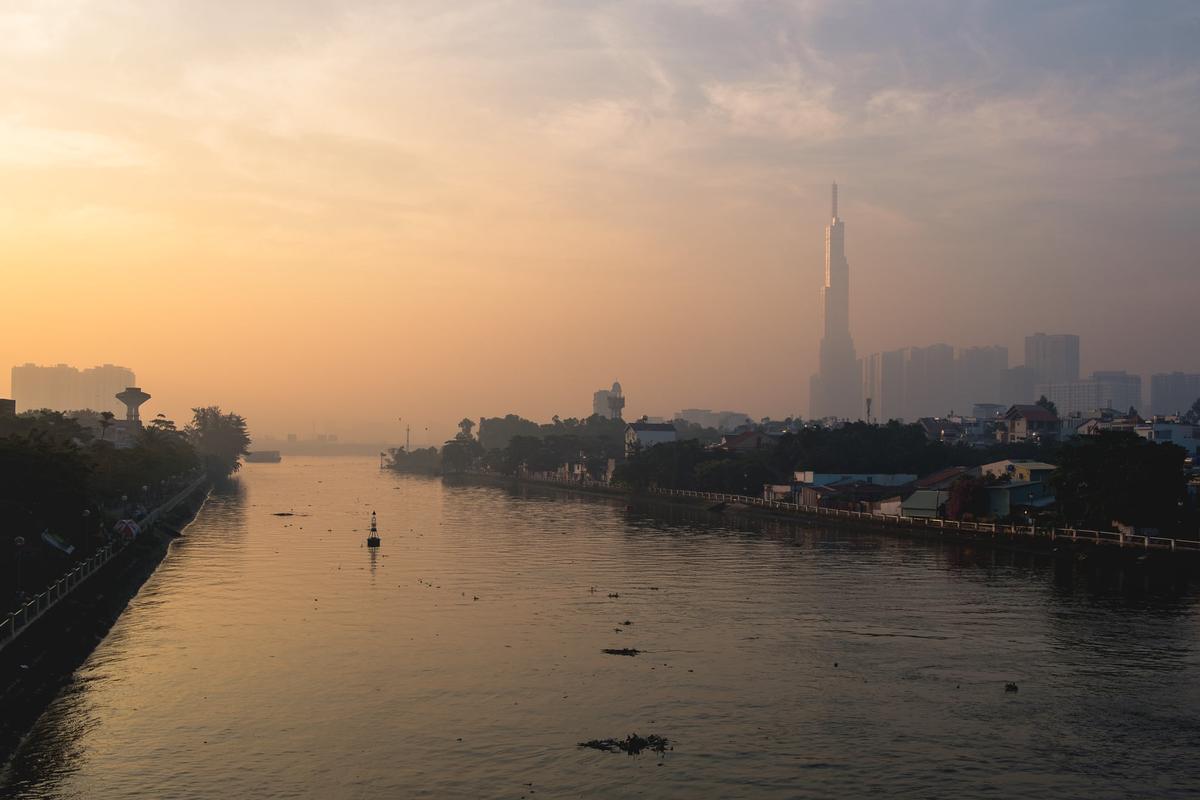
x=61, y=474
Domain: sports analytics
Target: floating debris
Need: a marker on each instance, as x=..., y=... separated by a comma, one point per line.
x=631, y=744
x=613, y=594
x=1010, y=687
x=621, y=651
x=283, y=514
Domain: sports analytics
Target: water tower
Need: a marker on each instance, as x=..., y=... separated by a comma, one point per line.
x=616, y=401
x=133, y=397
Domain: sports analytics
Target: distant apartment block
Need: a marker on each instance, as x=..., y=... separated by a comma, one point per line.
x=65, y=388
x=1118, y=390
x=1053, y=358
x=1173, y=392
x=724, y=421
x=8, y=408
x=934, y=381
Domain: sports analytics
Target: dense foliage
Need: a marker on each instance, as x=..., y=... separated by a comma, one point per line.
x=63, y=475
x=220, y=440
x=855, y=447
x=423, y=460
x=602, y=435
x=1117, y=476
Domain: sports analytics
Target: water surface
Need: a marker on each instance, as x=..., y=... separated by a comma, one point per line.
x=276, y=656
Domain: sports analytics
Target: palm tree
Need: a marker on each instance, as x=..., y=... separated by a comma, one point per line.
x=106, y=420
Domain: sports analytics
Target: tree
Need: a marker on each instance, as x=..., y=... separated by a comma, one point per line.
x=106, y=420
x=968, y=496
x=1117, y=476
x=458, y=455
x=1193, y=414
x=219, y=439
x=1048, y=404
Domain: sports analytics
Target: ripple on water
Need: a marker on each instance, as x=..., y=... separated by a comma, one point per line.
x=277, y=657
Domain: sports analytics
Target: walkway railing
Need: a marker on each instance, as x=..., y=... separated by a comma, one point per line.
x=949, y=525
x=14, y=623
x=1115, y=538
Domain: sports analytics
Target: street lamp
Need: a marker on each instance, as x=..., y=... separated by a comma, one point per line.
x=19, y=543
x=86, y=539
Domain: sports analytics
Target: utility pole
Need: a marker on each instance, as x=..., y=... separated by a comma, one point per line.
x=407, y=439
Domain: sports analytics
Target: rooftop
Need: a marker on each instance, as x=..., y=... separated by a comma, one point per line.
x=651, y=426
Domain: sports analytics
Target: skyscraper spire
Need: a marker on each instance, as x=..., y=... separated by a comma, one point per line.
x=836, y=389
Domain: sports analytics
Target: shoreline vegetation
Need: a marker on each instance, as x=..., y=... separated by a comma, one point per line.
x=1095, y=481
x=69, y=491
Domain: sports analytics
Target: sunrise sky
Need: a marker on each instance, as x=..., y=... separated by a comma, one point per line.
x=327, y=215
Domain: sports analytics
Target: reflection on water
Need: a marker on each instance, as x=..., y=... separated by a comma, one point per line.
x=278, y=656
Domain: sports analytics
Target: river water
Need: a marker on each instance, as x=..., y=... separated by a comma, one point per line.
x=276, y=656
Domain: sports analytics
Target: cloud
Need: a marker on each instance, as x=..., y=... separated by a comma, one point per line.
x=31, y=146
x=776, y=110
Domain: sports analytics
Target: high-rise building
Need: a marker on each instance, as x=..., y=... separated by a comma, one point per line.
x=1115, y=390
x=1053, y=358
x=609, y=403
x=1120, y=390
x=99, y=386
x=64, y=388
x=35, y=387
x=980, y=375
x=1173, y=392
x=1019, y=384
x=836, y=389
x=883, y=383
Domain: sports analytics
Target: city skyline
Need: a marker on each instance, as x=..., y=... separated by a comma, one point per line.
x=1008, y=167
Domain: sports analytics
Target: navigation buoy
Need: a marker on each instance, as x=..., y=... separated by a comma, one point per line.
x=373, y=539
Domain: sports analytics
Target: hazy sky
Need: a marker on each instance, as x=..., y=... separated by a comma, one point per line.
x=334, y=214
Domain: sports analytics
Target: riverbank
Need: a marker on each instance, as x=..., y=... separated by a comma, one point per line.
x=35, y=666
x=1008, y=536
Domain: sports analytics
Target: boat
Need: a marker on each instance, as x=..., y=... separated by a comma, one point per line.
x=264, y=457
x=373, y=539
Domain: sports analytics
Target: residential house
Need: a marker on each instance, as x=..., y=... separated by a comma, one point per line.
x=1172, y=430
x=942, y=479
x=930, y=503
x=642, y=435
x=1024, y=423
x=1018, y=497
x=1018, y=469
x=748, y=441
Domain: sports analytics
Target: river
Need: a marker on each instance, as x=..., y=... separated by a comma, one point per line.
x=277, y=657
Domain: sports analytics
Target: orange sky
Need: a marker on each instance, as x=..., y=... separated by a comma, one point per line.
x=326, y=216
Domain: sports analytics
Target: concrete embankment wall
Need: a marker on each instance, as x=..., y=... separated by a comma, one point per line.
x=42, y=659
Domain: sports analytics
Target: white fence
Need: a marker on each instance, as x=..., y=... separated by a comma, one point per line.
x=975, y=528
x=1115, y=538
x=16, y=622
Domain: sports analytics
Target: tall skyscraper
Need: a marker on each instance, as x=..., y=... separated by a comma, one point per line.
x=1054, y=358
x=836, y=389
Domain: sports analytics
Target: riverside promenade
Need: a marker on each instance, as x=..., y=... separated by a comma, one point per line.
x=16, y=622
x=999, y=533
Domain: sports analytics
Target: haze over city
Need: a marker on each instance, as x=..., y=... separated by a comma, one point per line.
x=332, y=215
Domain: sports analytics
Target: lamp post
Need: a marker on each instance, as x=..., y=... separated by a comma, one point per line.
x=87, y=540
x=18, y=544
